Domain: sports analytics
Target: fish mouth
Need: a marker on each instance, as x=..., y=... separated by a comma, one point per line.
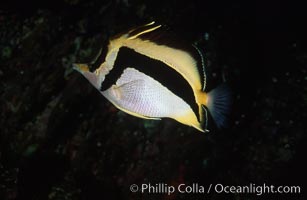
x=80, y=67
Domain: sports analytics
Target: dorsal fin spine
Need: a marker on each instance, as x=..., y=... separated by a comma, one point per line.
x=143, y=32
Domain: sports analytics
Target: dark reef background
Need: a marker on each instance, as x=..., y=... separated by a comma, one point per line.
x=60, y=139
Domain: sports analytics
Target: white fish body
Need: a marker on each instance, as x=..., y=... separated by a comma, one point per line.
x=153, y=81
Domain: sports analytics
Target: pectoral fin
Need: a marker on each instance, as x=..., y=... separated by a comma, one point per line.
x=128, y=98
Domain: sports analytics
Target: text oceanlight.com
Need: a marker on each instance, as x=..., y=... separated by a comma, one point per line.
x=195, y=188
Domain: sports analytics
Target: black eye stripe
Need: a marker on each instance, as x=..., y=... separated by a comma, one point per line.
x=100, y=58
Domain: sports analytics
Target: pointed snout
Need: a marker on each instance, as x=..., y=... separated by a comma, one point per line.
x=80, y=67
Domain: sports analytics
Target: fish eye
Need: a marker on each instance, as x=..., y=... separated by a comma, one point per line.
x=92, y=68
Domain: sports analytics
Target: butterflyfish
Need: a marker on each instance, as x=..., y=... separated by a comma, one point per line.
x=143, y=74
